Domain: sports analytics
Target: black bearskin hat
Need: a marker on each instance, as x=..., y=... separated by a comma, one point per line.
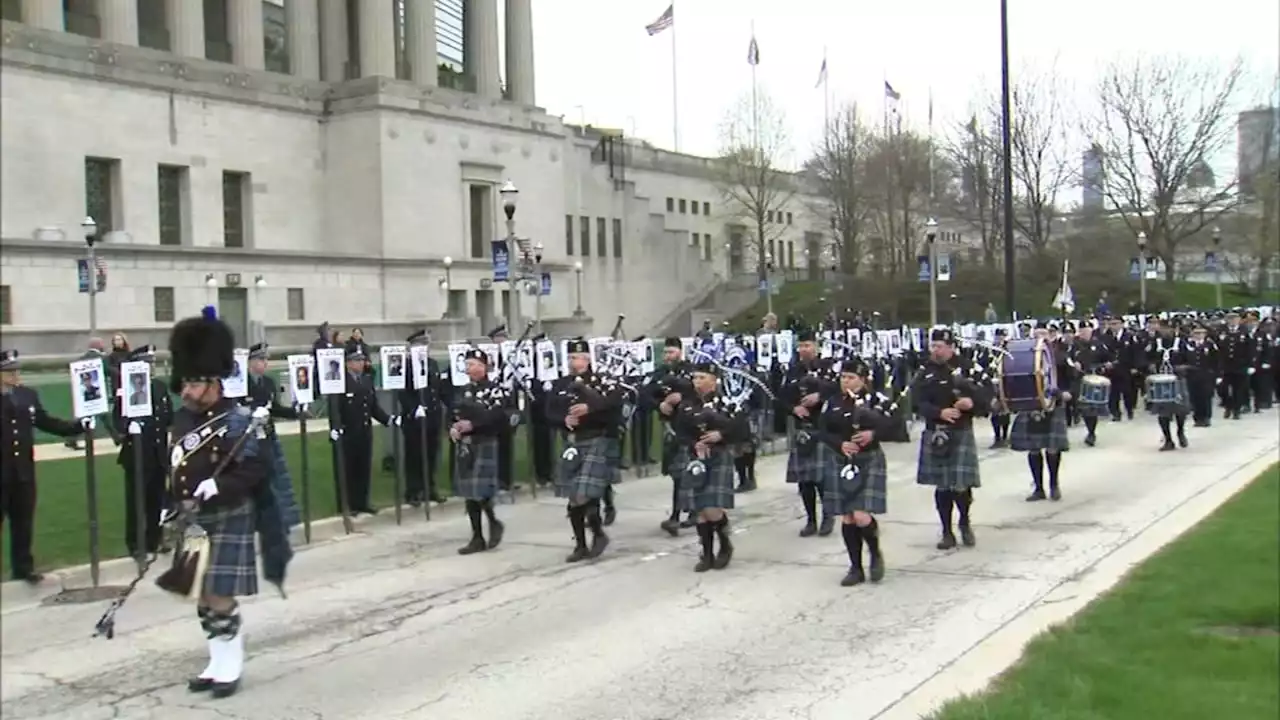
x=201, y=348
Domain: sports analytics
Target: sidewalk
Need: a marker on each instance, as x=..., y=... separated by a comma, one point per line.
x=104, y=445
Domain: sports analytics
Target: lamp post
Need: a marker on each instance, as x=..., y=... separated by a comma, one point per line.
x=211, y=282
x=930, y=235
x=1217, y=267
x=955, y=309
x=259, y=284
x=90, y=229
x=768, y=282
x=1142, y=271
x=446, y=284
x=577, y=271
x=517, y=276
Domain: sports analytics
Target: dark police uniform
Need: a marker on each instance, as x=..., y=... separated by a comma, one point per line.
x=358, y=407
x=1203, y=365
x=154, y=438
x=20, y=414
x=421, y=460
x=263, y=392
x=1237, y=367
x=1128, y=356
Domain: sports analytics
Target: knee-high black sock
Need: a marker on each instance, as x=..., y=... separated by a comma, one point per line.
x=593, y=518
x=1164, y=429
x=740, y=469
x=1035, y=461
x=675, y=500
x=995, y=426
x=871, y=534
x=473, y=513
x=809, y=494
x=751, y=466
x=1054, y=461
x=945, y=502
x=608, y=497
x=853, y=543
x=487, y=506
x=707, y=534
x=1181, y=420
x=964, y=501
x=1091, y=424
x=1005, y=420
x=578, y=521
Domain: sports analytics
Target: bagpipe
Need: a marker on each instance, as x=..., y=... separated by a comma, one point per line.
x=697, y=417
x=185, y=576
x=738, y=383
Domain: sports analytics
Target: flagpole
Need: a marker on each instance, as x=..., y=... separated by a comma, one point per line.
x=675, y=93
x=931, y=150
x=826, y=95
x=755, y=106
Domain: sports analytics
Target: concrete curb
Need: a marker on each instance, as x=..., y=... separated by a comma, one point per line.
x=973, y=671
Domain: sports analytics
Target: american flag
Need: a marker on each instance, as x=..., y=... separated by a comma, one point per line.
x=100, y=263
x=890, y=93
x=663, y=22
x=753, y=52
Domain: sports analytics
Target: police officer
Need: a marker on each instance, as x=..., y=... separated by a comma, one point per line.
x=1237, y=366
x=20, y=413
x=264, y=393
x=1203, y=362
x=420, y=409
x=506, y=458
x=358, y=407
x=154, y=437
x=541, y=433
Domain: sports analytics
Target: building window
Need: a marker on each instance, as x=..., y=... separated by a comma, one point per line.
x=693, y=206
x=683, y=207
x=671, y=205
x=102, y=192
x=568, y=235
x=80, y=17
x=152, y=31
x=6, y=308
x=481, y=221
x=706, y=247
x=162, y=304
x=11, y=10
x=584, y=239
x=602, y=239
x=706, y=208
x=617, y=238
x=173, y=201
x=297, y=304
x=275, y=38
x=791, y=254
x=235, y=226
x=693, y=240
x=788, y=218
x=769, y=216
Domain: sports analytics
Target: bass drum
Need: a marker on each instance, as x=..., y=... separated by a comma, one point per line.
x=1027, y=376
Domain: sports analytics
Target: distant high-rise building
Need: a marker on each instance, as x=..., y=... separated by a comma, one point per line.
x=1257, y=145
x=1093, y=174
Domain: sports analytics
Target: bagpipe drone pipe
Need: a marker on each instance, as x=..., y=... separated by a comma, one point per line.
x=892, y=394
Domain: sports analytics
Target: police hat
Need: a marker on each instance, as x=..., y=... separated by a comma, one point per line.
x=943, y=334
x=356, y=353
x=806, y=335
x=577, y=345
x=706, y=368
x=477, y=354
x=9, y=360
x=855, y=366
x=494, y=333
x=258, y=351
x=418, y=338
x=672, y=342
x=146, y=353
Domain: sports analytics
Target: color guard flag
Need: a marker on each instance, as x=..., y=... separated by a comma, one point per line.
x=663, y=22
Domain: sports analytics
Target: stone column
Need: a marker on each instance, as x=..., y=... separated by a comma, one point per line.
x=520, y=51
x=244, y=28
x=44, y=14
x=302, y=28
x=481, y=38
x=119, y=20
x=185, y=21
x=333, y=39
x=377, y=38
x=421, y=42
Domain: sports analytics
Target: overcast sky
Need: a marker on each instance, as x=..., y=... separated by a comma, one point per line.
x=594, y=60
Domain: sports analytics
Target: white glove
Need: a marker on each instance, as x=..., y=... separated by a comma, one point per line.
x=1266, y=366
x=396, y=421
x=1217, y=381
x=334, y=435
x=135, y=428
x=88, y=423
x=261, y=413
x=420, y=413
x=1251, y=371
x=206, y=489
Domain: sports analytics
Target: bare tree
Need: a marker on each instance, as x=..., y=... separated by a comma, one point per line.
x=1159, y=121
x=1037, y=143
x=755, y=185
x=975, y=155
x=838, y=168
x=898, y=166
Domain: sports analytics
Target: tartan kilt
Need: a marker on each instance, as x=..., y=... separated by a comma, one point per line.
x=478, y=479
x=675, y=457
x=808, y=467
x=716, y=490
x=594, y=470
x=957, y=471
x=874, y=495
x=1024, y=436
x=233, y=558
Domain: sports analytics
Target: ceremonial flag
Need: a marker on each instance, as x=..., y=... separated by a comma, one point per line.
x=1065, y=299
x=890, y=93
x=663, y=22
x=822, y=73
x=753, y=52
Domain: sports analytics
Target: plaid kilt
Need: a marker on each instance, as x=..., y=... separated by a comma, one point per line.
x=233, y=559
x=810, y=466
x=594, y=470
x=716, y=489
x=675, y=457
x=477, y=478
x=1026, y=435
x=874, y=480
x=957, y=470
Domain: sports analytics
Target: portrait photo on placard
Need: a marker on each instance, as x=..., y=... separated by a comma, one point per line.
x=548, y=368
x=418, y=356
x=301, y=374
x=493, y=351
x=88, y=387
x=237, y=384
x=392, y=361
x=458, y=364
x=783, y=346
x=333, y=377
x=136, y=379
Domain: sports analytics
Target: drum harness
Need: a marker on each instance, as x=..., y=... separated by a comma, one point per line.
x=180, y=522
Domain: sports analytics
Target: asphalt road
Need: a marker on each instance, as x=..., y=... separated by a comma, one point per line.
x=392, y=624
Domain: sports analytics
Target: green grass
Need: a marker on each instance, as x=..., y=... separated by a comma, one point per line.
x=1191, y=633
x=62, y=534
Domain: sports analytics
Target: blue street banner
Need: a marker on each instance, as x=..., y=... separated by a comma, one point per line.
x=1135, y=268
x=1210, y=261
x=546, y=284
x=82, y=274
x=925, y=271
x=501, y=261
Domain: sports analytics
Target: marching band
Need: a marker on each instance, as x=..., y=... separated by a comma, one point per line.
x=844, y=387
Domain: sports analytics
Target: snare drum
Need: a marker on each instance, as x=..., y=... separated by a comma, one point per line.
x=1165, y=394
x=1095, y=392
x=1027, y=376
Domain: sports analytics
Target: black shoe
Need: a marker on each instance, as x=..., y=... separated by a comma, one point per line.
x=1182, y=439
x=1129, y=415
x=689, y=521
x=1115, y=418
x=199, y=684
x=1167, y=445
x=996, y=445
x=367, y=510
x=225, y=690
x=598, y=544
x=1090, y=439
x=828, y=524
x=30, y=578
x=496, y=529
x=476, y=545
x=1036, y=495
x=672, y=526
x=438, y=498
x=877, y=567
x=1054, y=493
x=855, y=576
x=948, y=541
x=610, y=514
x=809, y=530
x=967, y=538
x=579, y=554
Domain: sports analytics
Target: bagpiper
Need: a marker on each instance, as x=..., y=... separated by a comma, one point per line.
x=808, y=383
x=670, y=384
x=480, y=418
